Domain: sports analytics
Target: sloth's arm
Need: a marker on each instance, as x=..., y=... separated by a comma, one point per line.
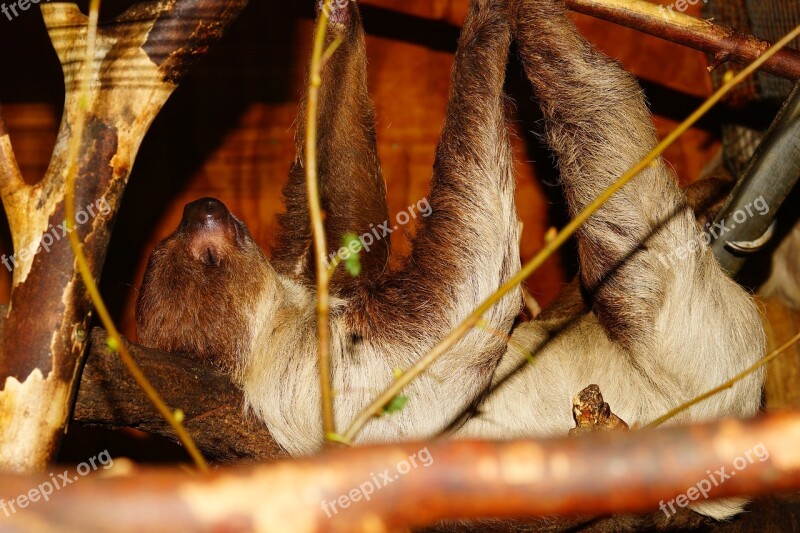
x=598, y=127
x=468, y=246
x=653, y=285
x=464, y=249
x=352, y=190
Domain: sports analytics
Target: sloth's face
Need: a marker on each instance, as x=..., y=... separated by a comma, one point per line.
x=202, y=285
x=211, y=235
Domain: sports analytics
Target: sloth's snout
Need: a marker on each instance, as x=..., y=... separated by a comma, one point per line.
x=210, y=229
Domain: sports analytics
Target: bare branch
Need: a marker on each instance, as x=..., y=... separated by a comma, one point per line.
x=604, y=473
x=318, y=227
x=725, y=44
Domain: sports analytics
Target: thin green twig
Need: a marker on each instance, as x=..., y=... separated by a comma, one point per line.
x=318, y=58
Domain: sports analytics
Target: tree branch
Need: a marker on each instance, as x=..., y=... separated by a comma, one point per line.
x=722, y=42
x=340, y=491
x=139, y=58
x=725, y=44
x=212, y=405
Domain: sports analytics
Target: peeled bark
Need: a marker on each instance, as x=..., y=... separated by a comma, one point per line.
x=604, y=473
x=139, y=59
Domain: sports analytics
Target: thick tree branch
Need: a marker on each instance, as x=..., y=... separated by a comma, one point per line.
x=604, y=473
x=139, y=57
x=212, y=405
x=725, y=44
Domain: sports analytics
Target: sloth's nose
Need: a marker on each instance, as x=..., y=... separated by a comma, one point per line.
x=203, y=213
x=209, y=230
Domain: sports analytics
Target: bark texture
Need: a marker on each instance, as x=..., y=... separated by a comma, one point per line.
x=109, y=397
x=604, y=473
x=139, y=58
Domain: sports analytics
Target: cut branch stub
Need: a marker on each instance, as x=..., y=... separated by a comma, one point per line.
x=47, y=323
x=592, y=413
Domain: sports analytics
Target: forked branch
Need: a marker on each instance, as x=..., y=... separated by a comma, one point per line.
x=139, y=59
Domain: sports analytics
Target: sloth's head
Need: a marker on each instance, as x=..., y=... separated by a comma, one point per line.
x=202, y=286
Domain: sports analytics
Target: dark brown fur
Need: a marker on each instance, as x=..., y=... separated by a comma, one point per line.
x=199, y=287
x=353, y=193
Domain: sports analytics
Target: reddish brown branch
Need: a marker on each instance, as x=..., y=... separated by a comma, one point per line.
x=725, y=44
x=213, y=406
x=604, y=473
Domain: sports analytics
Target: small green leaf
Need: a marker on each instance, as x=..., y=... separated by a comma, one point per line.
x=397, y=404
x=353, y=262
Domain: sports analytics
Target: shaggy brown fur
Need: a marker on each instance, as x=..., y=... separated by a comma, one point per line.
x=352, y=188
x=381, y=320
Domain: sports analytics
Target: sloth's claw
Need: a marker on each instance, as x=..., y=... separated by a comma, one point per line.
x=339, y=11
x=592, y=414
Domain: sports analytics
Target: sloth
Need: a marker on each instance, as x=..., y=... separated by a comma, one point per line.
x=651, y=334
